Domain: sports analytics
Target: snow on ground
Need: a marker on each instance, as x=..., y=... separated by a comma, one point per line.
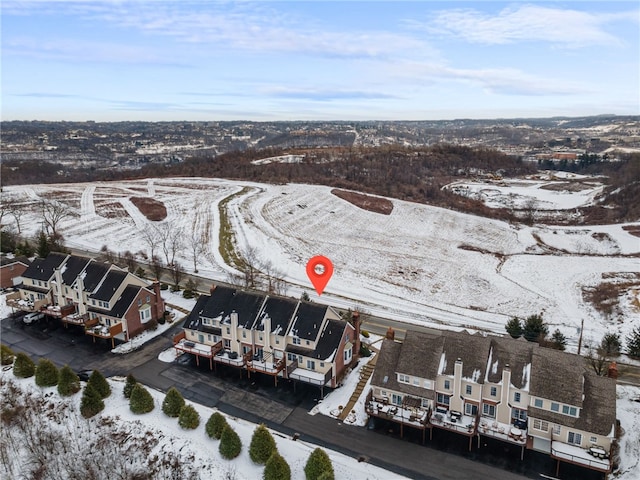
x=192, y=446
x=421, y=264
x=628, y=405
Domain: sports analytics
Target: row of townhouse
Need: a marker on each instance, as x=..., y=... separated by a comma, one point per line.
x=278, y=336
x=510, y=390
x=107, y=301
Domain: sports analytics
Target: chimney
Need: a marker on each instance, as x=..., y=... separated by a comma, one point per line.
x=612, y=372
x=213, y=287
x=391, y=334
x=355, y=317
x=159, y=301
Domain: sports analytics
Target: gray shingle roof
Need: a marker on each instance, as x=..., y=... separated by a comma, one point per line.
x=43, y=268
x=557, y=375
x=517, y=354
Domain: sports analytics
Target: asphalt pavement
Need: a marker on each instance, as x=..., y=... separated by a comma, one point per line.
x=285, y=408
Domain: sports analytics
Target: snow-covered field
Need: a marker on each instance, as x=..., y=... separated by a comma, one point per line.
x=420, y=264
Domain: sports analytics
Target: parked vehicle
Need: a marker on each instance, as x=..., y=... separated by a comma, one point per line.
x=33, y=317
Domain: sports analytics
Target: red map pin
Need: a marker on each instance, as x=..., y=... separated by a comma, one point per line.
x=319, y=271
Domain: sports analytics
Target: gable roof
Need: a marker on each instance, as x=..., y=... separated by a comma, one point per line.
x=384, y=375
x=109, y=286
x=517, y=354
x=124, y=301
x=420, y=354
x=94, y=274
x=5, y=261
x=329, y=340
x=308, y=320
x=72, y=268
x=473, y=350
x=557, y=375
x=43, y=268
x=280, y=310
x=247, y=305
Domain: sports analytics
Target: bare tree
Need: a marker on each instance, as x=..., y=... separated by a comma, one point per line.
x=130, y=260
x=52, y=214
x=175, y=242
x=249, y=268
x=196, y=247
x=177, y=273
x=156, y=267
x=152, y=239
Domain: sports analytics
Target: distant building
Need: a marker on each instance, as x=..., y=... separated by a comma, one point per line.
x=11, y=270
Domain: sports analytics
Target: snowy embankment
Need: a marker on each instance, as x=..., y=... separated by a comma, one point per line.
x=118, y=442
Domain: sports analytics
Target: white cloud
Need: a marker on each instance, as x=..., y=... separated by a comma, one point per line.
x=571, y=28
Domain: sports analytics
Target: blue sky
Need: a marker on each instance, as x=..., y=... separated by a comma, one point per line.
x=317, y=60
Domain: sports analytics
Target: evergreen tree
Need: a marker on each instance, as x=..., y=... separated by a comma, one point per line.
x=128, y=386
x=91, y=402
x=318, y=464
x=46, y=373
x=215, y=425
x=327, y=475
x=558, y=340
x=23, y=367
x=514, y=327
x=100, y=384
x=611, y=345
x=276, y=468
x=173, y=403
x=535, y=330
x=262, y=445
x=141, y=400
x=230, y=444
x=69, y=383
x=6, y=355
x=189, y=418
x=633, y=344
x=44, y=248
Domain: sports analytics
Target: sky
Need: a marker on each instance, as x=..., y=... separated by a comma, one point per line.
x=108, y=60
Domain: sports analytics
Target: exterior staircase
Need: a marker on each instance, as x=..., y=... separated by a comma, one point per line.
x=365, y=373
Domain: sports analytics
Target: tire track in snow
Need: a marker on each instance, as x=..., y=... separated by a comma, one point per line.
x=87, y=207
x=138, y=218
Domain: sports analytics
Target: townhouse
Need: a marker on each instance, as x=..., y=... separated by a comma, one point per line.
x=508, y=390
x=277, y=336
x=106, y=301
x=11, y=270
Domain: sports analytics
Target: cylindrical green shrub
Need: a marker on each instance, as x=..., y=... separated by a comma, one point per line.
x=69, y=383
x=91, y=402
x=215, y=425
x=189, y=418
x=23, y=367
x=46, y=373
x=230, y=443
x=276, y=468
x=319, y=466
x=173, y=403
x=128, y=386
x=100, y=384
x=6, y=355
x=141, y=400
x=262, y=445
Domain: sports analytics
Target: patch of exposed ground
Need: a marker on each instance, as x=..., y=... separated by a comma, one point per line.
x=567, y=186
x=605, y=297
x=150, y=208
x=365, y=202
x=111, y=210
x=632, y=229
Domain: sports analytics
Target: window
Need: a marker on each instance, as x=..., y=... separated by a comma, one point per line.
x=291, y=357
x=494, y=391
x=416, y=381
x=347, y=355
x=402, y=378
x=311, y=365
x=428, y=384
x=200, y=338
x=139, y=302
x=227, y=343
x=145, y=315
x=468, y=390
x=260, y=336
x=277, y=341
x=228, y=331
x=443, y=399
x=519, y=414
x=565, y=409
x=296, y=340
x=321, y=364
x=447, y=385
x=209, y=337
x=245, y=349
x=307, y=342
x=574, y=438
x=537, y=403
x=593, y=439
x=244, y=333
x=426, y=403
x=516, y=397
x=470, y=409
x=396, y=399
x=489, y=410
x=541, y=425
x=556, y=429
x=555, y=407
x=148, y=299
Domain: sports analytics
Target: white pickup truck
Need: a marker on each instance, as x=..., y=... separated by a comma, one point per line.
x=33, y=317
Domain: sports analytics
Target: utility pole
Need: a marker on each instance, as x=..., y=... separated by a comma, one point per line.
x=580, y=337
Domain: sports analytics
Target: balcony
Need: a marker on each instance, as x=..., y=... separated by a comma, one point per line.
x=594, y=458
x=310, y=376
x=502, y=431
x=407, y=415
x=454, y=420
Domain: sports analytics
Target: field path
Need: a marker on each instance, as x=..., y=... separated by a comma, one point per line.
x=87, y=207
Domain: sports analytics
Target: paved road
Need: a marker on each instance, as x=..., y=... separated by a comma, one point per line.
x=285, y=409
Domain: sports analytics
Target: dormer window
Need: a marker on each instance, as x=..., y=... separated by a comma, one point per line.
x=296, y=340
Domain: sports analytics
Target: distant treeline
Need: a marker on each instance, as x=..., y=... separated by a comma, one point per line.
x=408, y=173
